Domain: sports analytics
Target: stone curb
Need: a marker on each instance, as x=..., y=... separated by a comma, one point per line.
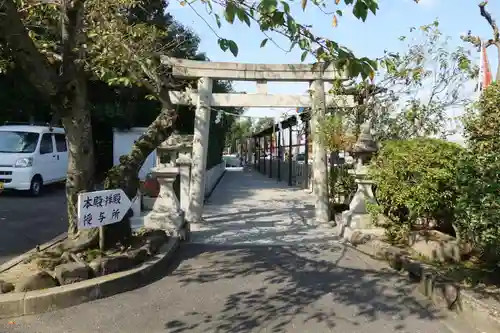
x=40, y=301
x=443, y=293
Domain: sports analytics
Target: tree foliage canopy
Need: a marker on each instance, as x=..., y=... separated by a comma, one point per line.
x=414, y=89
x=478, y=177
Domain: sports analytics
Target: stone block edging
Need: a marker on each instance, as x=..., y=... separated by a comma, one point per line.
x=40, y=301
x=481, y=313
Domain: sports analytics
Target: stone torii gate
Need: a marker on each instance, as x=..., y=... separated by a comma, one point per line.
x=203, y=98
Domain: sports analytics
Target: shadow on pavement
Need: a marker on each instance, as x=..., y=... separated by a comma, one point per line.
x=300, y=288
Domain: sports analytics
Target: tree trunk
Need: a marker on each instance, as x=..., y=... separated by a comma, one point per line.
x=80, y=178
x=125, y=175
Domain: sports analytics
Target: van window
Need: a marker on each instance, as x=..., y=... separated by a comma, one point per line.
x=46, y=146
x=61, y=143
x=18, y=142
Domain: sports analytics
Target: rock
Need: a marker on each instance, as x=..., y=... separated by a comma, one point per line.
x=465, y=249
x=95, y=266
x=436, y=246
x=139, y=255
x=358, y=238
x=438, y=250
x=6, y=287
x=72, y=272
x=108, y=265
x=395, y=259
x=450, y=293
x=40, y=280
x=154, y=240
x=47, y=263
x=66, y=257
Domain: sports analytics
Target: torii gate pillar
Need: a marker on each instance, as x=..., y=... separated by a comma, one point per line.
x=319, y=163
x=200, y=150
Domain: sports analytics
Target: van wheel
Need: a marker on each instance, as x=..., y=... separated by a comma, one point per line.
x=36, y=186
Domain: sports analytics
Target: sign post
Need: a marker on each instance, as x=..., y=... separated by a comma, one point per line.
x=100, y=208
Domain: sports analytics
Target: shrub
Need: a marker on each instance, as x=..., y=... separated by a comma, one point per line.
x=341, y=184
x=415, y=181
x=478, y=206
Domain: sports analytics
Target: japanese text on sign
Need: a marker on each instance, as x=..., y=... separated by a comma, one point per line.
x=100, y=208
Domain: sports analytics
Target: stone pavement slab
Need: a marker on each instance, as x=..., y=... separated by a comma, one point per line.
x=228, y=289
x=250, y=208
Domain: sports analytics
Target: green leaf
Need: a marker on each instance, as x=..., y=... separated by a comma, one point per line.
x=302, y=43
x=268, y=6
x=339, y=12
x=360, y=10
x=242, y=16
x=217, y=20
x=372, y=5
x=223, y=44
x=286, y=7
x=264, y=42
x=233, y=47
x=303, y=56
x=230, y=12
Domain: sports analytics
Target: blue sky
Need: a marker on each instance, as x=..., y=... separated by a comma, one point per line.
x=370, y=38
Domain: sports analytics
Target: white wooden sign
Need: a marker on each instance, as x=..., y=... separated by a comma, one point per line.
x=99, y=208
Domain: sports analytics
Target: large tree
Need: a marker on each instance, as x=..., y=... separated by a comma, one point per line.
x=240, y=130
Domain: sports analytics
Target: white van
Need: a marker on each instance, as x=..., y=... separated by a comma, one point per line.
x=32, y=156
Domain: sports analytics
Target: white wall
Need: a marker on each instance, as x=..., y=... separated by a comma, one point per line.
x=123, y=140
x=213, y=175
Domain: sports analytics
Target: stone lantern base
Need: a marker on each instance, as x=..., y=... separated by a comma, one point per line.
x=350, y=222
x=357, y=218
x=165, y=213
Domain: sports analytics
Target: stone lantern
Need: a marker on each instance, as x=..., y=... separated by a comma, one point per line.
x=357, y=217
x=364, y=149
x=167, y=212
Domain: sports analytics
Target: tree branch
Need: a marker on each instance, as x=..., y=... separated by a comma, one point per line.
x=491, y=22
x=476, y=40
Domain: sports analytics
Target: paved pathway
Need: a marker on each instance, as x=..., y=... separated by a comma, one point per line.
x=228, y=283
x=250, y=208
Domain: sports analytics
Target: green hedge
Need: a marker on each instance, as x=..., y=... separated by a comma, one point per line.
x=415, y=181
x=478, y=207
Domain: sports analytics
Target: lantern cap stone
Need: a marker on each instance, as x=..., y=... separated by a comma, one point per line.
x=365, y=143
x=177, y=142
